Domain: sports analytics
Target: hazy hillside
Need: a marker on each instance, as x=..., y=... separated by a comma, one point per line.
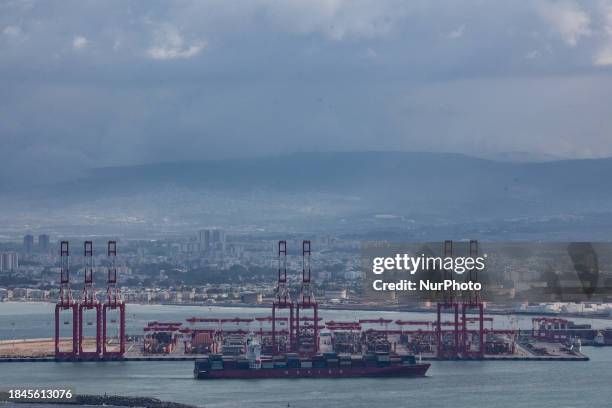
x=309, y=189
x=405, y=182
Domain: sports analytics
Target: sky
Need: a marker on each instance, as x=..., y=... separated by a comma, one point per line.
x=102, y=83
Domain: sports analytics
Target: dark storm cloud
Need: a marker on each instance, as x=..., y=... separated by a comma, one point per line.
x=88, y=84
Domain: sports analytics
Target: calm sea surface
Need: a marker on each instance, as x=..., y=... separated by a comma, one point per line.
x=449, y=384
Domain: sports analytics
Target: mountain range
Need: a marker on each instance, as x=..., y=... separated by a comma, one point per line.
x=310, y=188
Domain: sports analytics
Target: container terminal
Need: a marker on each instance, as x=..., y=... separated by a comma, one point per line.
x=294, y=335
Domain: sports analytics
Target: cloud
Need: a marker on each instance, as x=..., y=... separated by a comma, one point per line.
x=371, y=53
x=11, y=31
x=302, y=73
x=170, y=44
x=603, y=57
x=568, y=19
x=79, y=42
x=337, y=20
x=456, y=33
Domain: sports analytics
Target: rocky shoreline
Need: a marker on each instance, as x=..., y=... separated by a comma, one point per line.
x=102, y=400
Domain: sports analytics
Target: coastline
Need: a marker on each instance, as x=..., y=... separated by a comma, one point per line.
x=99, y=400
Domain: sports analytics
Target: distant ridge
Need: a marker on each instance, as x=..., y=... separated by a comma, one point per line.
x=523, y=157
x=400, y=179
x=310, y=188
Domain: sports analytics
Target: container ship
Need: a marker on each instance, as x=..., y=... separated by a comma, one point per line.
x=291, y=365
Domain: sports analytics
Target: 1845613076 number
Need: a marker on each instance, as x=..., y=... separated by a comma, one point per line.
x=41, y=394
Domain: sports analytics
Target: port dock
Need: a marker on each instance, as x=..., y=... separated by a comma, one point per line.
x=539, y=351
x=461, y=331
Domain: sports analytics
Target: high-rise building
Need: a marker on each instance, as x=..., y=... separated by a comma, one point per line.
x=204, y=239
x=218, y=240
x=9, y=261
x=218, y=237
x=28, y=244
x=43, y=243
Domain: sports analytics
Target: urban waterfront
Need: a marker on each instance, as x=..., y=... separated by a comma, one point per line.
x=448, y=383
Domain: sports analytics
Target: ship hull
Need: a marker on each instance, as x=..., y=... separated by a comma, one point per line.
x=416, y=370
